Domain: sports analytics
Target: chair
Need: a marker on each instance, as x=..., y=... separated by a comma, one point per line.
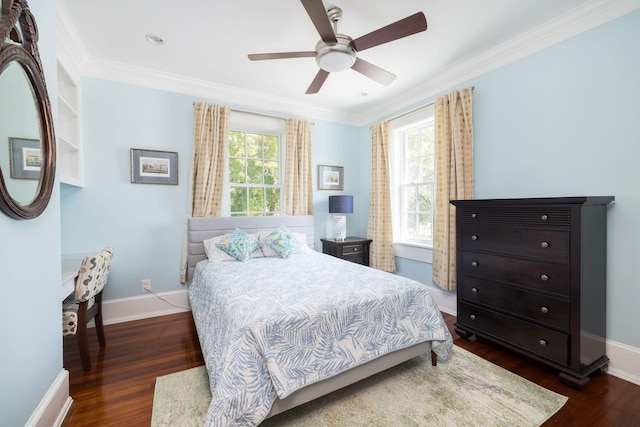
x=86, y=302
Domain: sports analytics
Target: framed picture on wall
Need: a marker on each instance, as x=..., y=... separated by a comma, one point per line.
x=154, y=167
x=330, y=177
x=25, y=158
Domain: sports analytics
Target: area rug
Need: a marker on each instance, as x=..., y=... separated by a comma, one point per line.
x=464, y=391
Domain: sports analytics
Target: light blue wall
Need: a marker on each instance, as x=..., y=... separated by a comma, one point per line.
x=564, y=122
x=31, y=355
x=144, y=223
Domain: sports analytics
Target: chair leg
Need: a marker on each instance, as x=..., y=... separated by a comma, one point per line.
x=98, y=320
x=81, y=336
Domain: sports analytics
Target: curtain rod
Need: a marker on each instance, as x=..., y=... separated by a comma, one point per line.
x=414, y=110
x=270, y=116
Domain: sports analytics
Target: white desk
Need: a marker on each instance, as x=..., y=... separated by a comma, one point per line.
x=71, y=264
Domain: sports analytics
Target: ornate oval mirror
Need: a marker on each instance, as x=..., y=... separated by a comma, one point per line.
x=27, y=139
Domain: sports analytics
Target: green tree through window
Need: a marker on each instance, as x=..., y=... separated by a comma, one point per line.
x=254, y=174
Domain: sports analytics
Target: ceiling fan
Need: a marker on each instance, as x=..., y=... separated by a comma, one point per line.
x=338, y=52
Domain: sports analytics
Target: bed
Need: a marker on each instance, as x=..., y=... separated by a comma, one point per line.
x=278, y=332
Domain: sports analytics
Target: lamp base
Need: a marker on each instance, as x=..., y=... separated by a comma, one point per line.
x=340, y=228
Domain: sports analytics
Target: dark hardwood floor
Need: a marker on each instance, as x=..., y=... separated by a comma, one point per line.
x=118, y=391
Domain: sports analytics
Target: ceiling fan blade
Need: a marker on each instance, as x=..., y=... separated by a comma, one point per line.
x=373, y=72
x=318, y=14
x=280, y=55
x=317, y=82
x=405, y=27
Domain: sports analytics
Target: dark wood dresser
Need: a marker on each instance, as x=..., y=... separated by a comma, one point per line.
x=531, y=276
x=354, y=249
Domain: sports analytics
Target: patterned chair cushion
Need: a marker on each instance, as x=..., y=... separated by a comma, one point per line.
x=93, y=275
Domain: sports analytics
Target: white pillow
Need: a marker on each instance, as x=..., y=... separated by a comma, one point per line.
x=215, y=254
x=302, y=247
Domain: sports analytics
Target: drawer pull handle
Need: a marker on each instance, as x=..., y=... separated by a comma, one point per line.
x=474, y=290
x=544, y=217
x=473, y=215
x=473, y=317
x=544, y=277
x=474, y=263
x=355, y=249
x=544, y=244
x=544, y=310
x=474, y=237
x=543, y=343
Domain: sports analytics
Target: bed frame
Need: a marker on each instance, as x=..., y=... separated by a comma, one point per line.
x=200, y=229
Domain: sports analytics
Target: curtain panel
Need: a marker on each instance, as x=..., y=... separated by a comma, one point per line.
x=209, y=166
x=379, y=228
x=298, y=190
x=454, y=178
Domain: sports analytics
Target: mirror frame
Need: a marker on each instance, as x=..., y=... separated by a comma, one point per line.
x=18, y=42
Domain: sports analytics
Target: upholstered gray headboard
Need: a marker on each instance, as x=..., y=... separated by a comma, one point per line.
x=201, y=229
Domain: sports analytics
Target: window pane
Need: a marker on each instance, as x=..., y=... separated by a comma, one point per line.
x=425, y=196
x=427, y=145
x=412, y=145
x=271, y=173
x=272, y=200
x=238, y=200
x=236, y=144
x=424, y=227
x=254, y=171
x=409, y=202
x=256, y=200
x=428, y=169
x=254, y=146
x=411, y=226
x=237, y=173
x=412, y=170
x=271, y=147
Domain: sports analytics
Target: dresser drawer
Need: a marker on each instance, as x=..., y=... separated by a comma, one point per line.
x=529, y=216
x=547, y=245
x=543, y=342
x=354, y=249
x=540, y=308
x=531, y=274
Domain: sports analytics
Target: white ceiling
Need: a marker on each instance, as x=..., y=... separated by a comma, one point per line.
x=207, y=42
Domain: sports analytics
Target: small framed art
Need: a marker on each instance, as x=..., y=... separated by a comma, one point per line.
x=25, y=158
x=330, y=177
x=154, y=167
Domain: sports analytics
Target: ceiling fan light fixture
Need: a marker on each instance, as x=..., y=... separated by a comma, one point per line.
x=335, y=61
x=335, y=57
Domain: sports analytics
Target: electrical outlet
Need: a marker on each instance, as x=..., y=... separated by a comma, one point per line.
x=145, y=285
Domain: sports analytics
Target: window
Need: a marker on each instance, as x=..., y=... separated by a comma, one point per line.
x=413, y=177
x=254, y=173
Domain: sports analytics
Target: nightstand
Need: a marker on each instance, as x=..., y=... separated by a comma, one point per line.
x=354, y=249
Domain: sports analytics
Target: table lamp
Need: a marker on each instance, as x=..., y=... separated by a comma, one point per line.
x=340, y=205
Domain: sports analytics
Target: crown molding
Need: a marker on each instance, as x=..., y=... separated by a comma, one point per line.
x=233, y=96
x=578, y=20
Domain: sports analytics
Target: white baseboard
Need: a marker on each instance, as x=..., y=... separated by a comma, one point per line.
x=54, y=405
x=623, y=361
x=447, y=301
x=145, y=306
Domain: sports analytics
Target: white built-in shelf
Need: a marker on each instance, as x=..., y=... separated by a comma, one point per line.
x=70, y=153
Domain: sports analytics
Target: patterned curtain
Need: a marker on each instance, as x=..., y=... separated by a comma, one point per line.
x=379, y=228
x=208, y=168
x=298, y=191
x=454, y=178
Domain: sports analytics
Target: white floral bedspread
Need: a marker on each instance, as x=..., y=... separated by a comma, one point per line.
x=269, y=326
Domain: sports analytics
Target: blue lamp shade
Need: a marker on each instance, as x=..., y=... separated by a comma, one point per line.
x=340, y=204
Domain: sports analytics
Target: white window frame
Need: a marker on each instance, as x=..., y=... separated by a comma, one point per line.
x=257, y=124
x=411, y=249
